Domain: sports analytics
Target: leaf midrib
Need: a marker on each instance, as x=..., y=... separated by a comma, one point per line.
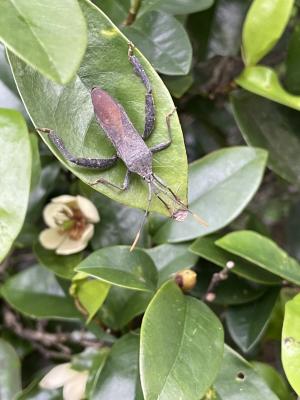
x=177, y=353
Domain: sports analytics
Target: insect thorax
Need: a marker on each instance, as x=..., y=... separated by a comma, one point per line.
x=139, y=161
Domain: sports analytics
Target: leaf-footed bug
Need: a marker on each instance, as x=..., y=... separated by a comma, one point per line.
x=130, y=146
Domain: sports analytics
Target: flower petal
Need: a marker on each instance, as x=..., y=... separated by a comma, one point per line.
x=51, y=238
x=58, y=376
x=70, y=246
x=88, y=209
x=74, y=389
x=54, y=211
x=88, y=233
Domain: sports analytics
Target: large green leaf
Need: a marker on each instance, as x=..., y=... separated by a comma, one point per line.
x=170, y=258
x=181, y=346
x=265, y=82
x=292, y=78
x=178, y=85
x=119, y=378
x=176, y=6
x=35, y=162
x=35, y=292
x=213, y=183
x=247, y=323
x=293, y=232
x=10, y=377
x=15, y=172
x=120, y=267
x=43, y=35
x=274, y=380
x=122, y=306
x=264, y=24
x=263, y=252
x=68, y=110
x=97, y=362
x=91, y=294
x=291, y=342
x=205, y=247
x=164, y=41
x=225, y=32
x=237, y=380
x=279, y=134
x=62, y=266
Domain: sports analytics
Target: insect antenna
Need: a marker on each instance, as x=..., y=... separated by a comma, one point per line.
x=144, y=218
x=161, y=186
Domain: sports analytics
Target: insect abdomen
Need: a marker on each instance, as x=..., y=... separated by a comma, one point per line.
x=118, y=128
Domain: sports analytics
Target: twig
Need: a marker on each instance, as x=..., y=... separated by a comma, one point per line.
x=134, y=8
x=48, y=343
x=216, y=279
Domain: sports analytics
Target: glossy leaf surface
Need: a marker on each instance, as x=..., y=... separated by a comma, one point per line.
x=170, y=258
x=291, y=342
x=248, y=322
x=265, y=82
x=264, y=24
x=184, y=339
x=119, y=378
x=176, y=6
x=279, y=134
x=118, y=266
x=292, y=77
x=14, y=140
x=263, y=252
x=169, y=50
x=237, y=379
x=122, y=306
x=274, y=379
x=10, y=377
x=91, y=295
x=212, y=191
x=62, y=266
x=36, y=293
x=55, y=49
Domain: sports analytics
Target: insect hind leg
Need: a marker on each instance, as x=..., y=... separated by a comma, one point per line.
x=165, y=145
x=97, y=163
x=149, y=102
x=122, y=188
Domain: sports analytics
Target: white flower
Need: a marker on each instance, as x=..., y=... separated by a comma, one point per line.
x=73, y=382
x=71, y=222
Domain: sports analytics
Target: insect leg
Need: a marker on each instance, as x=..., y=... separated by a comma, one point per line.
x=167, y=188
x=99, y=163
x=149, y=102
x=163, y=146
x=144, y=218
x=124, y=186
x=165, y=204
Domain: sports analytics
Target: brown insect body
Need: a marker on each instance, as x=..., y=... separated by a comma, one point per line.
x=129, y=145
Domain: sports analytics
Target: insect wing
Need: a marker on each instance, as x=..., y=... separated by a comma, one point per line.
x=108, y=113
